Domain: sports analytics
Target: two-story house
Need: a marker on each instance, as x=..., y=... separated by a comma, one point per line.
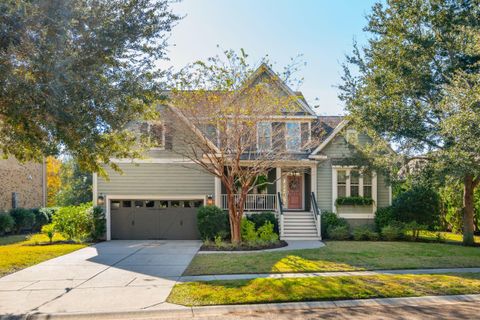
x=157, y=197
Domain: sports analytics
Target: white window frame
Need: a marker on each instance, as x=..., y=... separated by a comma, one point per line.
x=258, y=135
x=149, y=123
x=299, y=124
x=335, y=170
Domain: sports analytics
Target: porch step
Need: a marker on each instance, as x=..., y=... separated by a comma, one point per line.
x=299, y=225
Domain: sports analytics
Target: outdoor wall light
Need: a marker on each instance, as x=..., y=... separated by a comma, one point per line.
x=100, y=200
x=210, y=200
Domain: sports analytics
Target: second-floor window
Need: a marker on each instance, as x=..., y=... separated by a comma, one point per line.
x=155, y=132
x=293, y=136
x=264, y=136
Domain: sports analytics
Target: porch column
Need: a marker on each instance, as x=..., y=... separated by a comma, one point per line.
x=278, y=176
x=313, y=180
x=218, y=192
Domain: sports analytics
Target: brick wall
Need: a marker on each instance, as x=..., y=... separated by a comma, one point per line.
x=26, y=179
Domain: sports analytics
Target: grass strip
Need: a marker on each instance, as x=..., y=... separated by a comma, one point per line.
x=340, y=256
x=321, y=288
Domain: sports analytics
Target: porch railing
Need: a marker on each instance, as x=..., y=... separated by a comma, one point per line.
x=254, y=202
x=317, y=214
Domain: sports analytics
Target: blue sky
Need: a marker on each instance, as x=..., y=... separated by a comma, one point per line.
x=322, y=30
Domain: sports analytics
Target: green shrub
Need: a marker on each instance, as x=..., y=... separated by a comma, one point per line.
x=267, y=234
x=260, y=218
x=41, y=218
x=365, y=233
x=74, y=222
x=384, y=217
x=331, y=220
x=353, y=201
x=415, y=229
x=49, y=211
x=99, y=226
x=6, y=223
x=419, y=204
x=393, y=231
x=212, y=221
x=49, y=231
x=339, y=233
x=24, y=218
x=249, y=235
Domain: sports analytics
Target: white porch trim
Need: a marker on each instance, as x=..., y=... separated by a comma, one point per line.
x=218, y=192
x=94, y=188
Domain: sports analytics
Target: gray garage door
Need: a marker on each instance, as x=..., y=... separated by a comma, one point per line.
x=154, y=219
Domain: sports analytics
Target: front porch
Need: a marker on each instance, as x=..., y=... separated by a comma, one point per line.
x=294, y=184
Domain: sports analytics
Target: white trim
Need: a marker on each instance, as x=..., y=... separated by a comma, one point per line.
x=278, y=176
x=348, y=192
x=356, y=215
x=313, y=179
x=374, y=191
x=218, y=192
x=348, y=169
x=339, y=128
x=318, y=157
x=94, y=188
x=334, y=189
x=153, y=160
x=360, y=183
x=390, y=195
x=142, y=197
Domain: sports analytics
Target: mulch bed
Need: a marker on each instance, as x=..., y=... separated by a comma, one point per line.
x=243, y=247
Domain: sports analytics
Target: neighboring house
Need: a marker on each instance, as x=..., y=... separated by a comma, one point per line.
x=22, y=185
x=157, y=197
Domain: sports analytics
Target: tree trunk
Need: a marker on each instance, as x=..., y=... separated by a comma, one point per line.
x=235, y=230
x=468, y=211
x=235, y=219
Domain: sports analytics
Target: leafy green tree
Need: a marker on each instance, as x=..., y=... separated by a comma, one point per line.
x=76, y=185
x=416, y=85
x=74, y=72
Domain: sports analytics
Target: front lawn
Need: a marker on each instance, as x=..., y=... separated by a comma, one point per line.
x=340, y=256
x=322, y=288
x=32, y=250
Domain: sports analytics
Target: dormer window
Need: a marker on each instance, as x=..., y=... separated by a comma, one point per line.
x=293, y=136
x=264, y=136
x=155, y=132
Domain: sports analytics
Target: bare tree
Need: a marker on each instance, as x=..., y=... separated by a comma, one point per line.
x=225, y=103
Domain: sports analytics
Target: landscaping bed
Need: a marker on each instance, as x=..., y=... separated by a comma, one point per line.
x=340, y=256
x=264, y=290
x=242, y=246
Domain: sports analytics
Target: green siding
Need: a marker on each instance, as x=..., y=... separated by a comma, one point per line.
x=383, y=196
x=158, y=179
x=337, y=149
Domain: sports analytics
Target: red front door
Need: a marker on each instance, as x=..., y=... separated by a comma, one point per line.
x=294, y=192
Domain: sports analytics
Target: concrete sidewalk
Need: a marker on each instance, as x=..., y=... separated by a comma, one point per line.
x=325, y=274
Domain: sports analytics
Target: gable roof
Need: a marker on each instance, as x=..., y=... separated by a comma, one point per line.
x=340, y=124
x=299, y=98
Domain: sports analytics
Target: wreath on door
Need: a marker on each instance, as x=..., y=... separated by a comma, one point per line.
x=293, y=184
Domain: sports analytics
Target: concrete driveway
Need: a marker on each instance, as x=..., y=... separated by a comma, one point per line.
x=109, y=276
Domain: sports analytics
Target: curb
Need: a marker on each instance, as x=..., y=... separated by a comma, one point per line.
x=180, y=312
